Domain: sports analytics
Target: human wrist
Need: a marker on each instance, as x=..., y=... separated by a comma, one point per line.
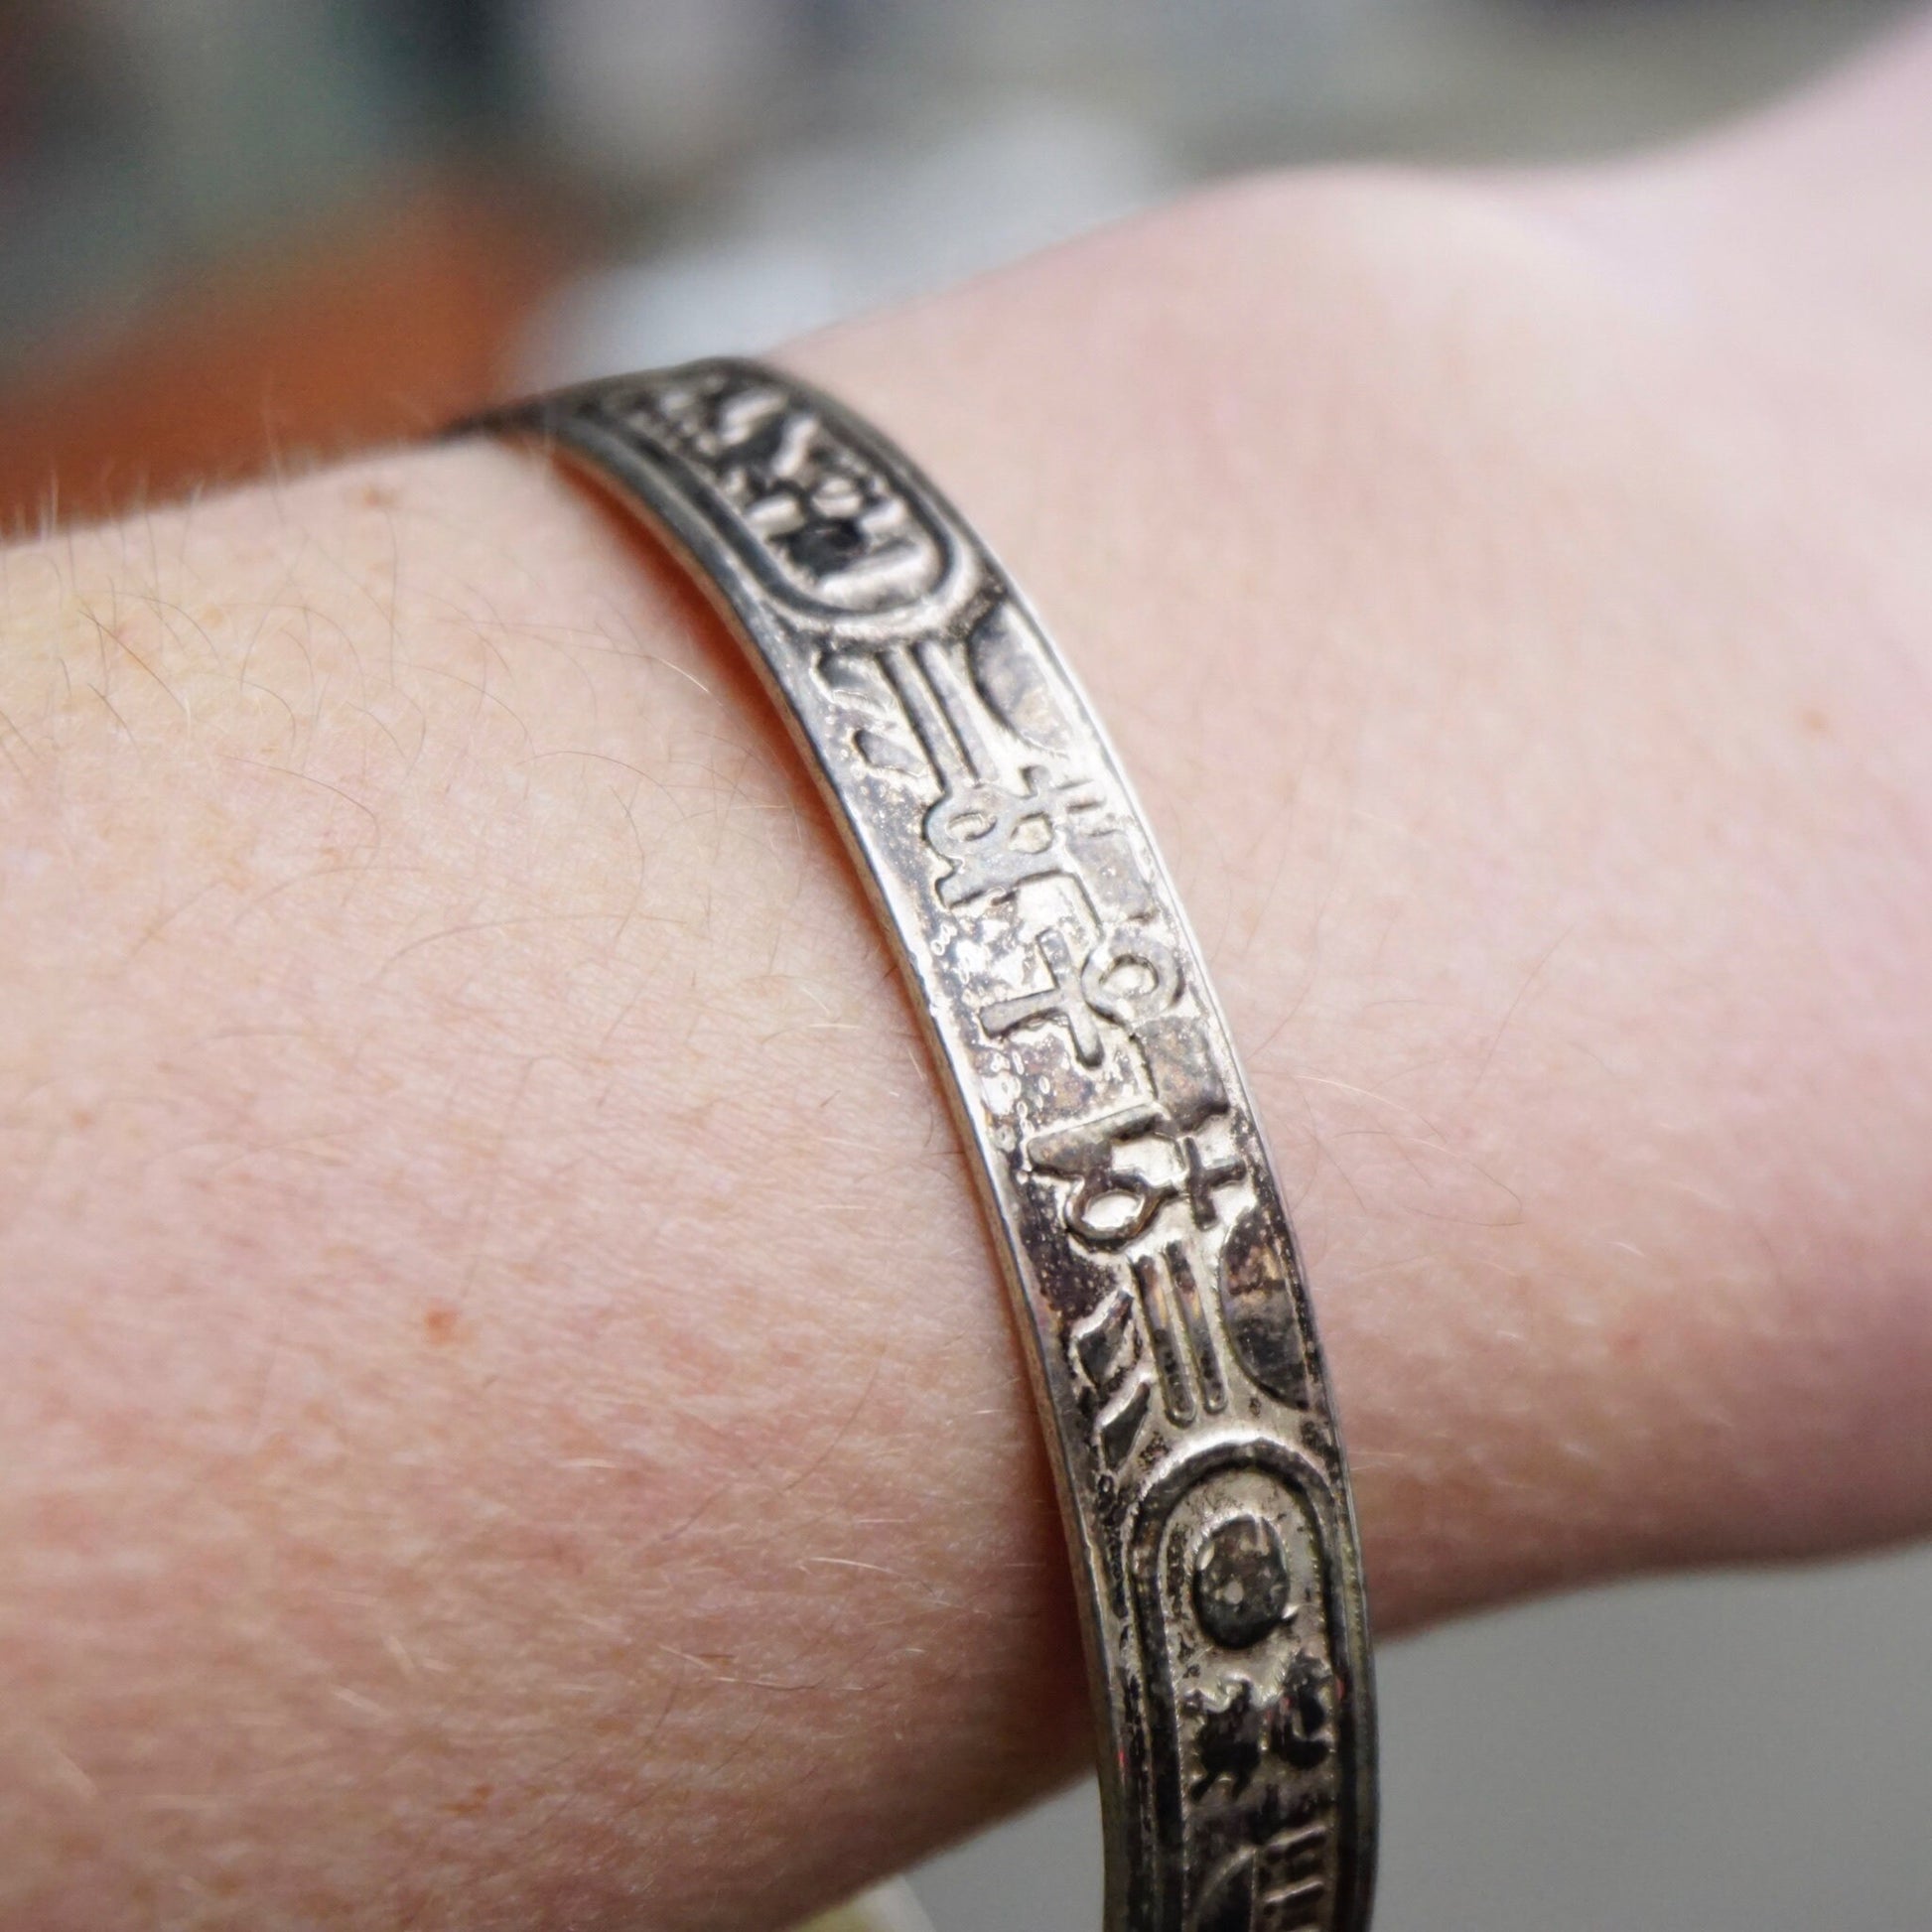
x=1403, y=541
x=466, y=981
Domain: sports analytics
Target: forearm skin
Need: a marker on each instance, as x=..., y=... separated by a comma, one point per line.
x=510, y=1416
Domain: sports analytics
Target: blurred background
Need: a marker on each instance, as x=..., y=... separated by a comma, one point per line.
x=231, y=228
x=241, y=233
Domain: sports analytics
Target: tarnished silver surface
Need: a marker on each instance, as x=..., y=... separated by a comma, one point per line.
x=1145, y=1239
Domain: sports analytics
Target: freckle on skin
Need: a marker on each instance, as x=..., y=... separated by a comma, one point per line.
x=438, y=1324
x=1815, y=723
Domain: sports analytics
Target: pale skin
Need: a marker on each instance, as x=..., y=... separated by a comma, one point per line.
x=509, y=1418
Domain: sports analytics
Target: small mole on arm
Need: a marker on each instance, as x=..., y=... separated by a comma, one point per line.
x=438, y=1324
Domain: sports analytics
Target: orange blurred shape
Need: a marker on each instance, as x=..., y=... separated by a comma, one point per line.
x=387, y=321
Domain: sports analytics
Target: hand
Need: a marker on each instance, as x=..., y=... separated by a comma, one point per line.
x=511, y=1416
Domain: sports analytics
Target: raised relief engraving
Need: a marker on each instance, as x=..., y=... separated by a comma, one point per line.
x=885, y=753
x=1301, y=1723
x=1257, y=1310
x=1106, y=1356
x=966, y=718
x=1108, y=1205
x=938, y=713
x=1204, y=1177
x=1229, y=1738
x=930, y=709
x=1005, y=659
x=1063, y=1000
x=908, y=710
x=1279, y=1885
x=1232, y=1603
x=837, y=531
x=1185, y=1354
x=997, y=841
x=1241, y=1581
x=1113, y=1200
x=1129, y=977
x=1230, y=1741
x=1126, y=977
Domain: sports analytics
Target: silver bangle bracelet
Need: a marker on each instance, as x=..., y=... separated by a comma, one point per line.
x=1144, y=1241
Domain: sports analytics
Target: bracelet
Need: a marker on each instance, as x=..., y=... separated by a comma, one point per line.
x=1137, y=1214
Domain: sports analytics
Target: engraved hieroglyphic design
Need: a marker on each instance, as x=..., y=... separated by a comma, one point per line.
x=838, y=533
x=1148, y=1247
x=1238, y=1604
